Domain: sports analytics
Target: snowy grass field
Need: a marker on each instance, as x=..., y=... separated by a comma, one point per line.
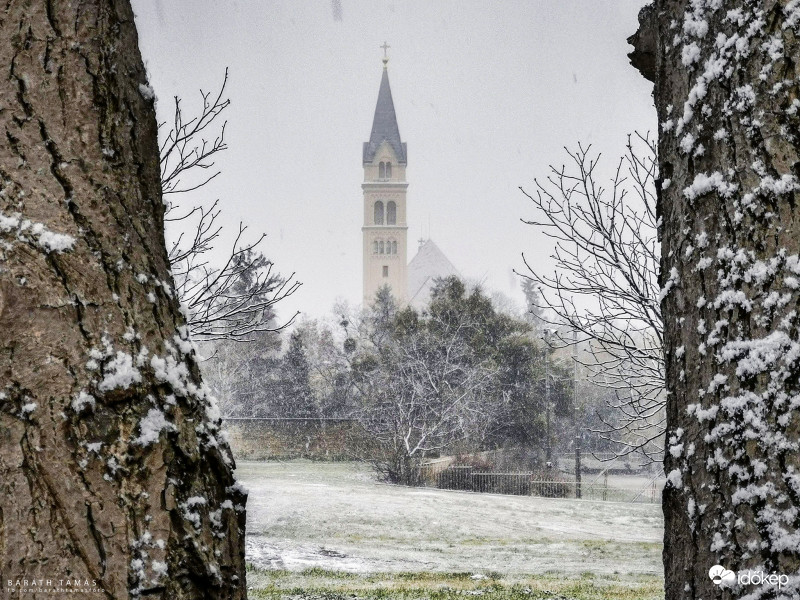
x=329, y=530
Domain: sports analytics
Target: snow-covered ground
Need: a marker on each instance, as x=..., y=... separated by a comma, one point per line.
x=336, y=516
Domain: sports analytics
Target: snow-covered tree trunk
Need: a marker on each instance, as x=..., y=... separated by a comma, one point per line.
x=112, y=472
x=727, y=96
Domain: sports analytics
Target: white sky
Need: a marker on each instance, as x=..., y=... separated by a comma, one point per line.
x=486, y=94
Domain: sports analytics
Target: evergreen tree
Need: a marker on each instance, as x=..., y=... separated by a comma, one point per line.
x=533, y=302
x=381, y=315
x=296, y=396
x=444, y=379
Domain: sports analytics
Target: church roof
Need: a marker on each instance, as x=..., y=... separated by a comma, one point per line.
x=428, y=264
x=384, y=125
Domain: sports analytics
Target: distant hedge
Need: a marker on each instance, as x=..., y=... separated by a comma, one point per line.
x=285, y=439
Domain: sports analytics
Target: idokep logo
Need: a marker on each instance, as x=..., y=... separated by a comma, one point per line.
x=725, y=578
x=721, y=576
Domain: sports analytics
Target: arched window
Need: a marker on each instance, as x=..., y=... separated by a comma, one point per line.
x=382, y=171
x=375, y=247
x=378, y=213
x=394, y=247
x=388, y=170
x=380, y=247
x=391, y=213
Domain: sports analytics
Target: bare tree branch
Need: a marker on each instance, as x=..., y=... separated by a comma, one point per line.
x=605, y=282
x=233, y=301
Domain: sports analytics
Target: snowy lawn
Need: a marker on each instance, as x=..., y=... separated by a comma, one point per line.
x=333, y=520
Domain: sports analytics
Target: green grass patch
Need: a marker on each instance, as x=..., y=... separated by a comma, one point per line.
x=325, y=573
x=322, y=584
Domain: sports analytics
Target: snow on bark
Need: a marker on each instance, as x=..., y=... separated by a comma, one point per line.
x=152, y=426
x=36, y=234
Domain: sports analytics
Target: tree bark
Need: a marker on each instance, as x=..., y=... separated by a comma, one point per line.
x=113, y=474
x=727, y=97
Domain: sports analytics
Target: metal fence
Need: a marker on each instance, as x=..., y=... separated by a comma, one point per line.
x=445, y=475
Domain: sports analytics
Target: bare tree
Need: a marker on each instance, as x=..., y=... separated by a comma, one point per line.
x=422, y=395
x=605, y=284
x=234, y=299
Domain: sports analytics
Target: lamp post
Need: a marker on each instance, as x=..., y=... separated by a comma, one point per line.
x=575, y=414
x=548, y=448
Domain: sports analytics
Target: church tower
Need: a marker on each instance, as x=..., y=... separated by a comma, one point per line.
x=385, y=230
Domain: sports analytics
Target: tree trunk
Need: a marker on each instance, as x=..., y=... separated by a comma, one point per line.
x=727, y=96
x=113, y=474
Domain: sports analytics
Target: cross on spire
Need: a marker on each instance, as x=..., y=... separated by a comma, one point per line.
x=385, y=53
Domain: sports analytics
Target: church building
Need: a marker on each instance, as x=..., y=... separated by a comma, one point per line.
x=385, y=228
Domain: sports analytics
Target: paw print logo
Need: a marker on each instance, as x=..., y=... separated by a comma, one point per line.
x=721, y=576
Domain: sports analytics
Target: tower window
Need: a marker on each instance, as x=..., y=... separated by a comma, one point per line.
x=391, y=213
x=380, y=247
x=385, y=270
x=394, y=247
x=378, y=216
x=375, y=247
x=382, y=171
x=388, y=170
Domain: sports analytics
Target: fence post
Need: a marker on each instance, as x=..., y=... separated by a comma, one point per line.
x=577, y=467
x=605, y=485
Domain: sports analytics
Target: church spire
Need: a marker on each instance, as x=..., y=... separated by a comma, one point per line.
x=384, y=123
